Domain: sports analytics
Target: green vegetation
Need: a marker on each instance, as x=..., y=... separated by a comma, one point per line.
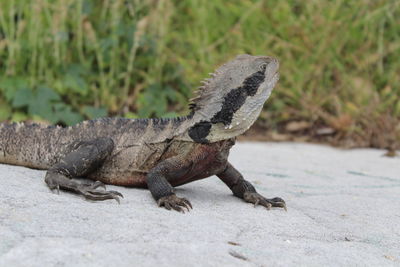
x=66, y=60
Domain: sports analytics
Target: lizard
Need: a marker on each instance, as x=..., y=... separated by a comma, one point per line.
x=155, y=153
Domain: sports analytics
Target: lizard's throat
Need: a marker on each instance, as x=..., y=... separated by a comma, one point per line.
x=209, y=131
x=241, y=122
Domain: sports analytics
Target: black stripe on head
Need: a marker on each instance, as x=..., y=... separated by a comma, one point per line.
x=199, y=131
x=232, y=102
x=251, y=83
x=235, y=99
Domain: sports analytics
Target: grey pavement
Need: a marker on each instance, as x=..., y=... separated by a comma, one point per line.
x=343, y=210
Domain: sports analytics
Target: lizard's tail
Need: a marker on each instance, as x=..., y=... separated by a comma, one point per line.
x=26, y=144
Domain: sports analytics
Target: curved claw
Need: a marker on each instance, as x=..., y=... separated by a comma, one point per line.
x=98, y=184
x=174, y=202
x=167, y=206
x=178, y=208
x=265, y=203
x=57, y=188
x=187, y=203
x=116, y=193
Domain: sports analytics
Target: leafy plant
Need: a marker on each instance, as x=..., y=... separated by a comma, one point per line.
x=87, y=58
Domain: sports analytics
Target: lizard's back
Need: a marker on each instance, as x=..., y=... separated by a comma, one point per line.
x=139, y=143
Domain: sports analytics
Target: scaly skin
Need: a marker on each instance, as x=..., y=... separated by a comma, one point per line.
x=154, y=153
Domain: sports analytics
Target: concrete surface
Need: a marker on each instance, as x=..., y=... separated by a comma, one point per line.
x=343, y=210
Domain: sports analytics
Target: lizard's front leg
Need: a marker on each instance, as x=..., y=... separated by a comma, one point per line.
x=84, y=158
x=245, y=190
x=162, y=191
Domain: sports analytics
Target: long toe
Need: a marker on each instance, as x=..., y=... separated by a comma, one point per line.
x=95, y=194
x=257, y=199
x=277, y=202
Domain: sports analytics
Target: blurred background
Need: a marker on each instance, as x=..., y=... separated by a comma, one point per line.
x=63, y=61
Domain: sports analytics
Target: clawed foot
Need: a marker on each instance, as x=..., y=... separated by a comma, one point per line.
x=257, y=199
x=174, y=202
x=90, y=191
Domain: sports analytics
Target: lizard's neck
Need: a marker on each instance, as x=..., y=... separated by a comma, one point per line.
x=201, y=130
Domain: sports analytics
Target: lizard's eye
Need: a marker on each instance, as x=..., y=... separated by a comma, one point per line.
x=263, y=67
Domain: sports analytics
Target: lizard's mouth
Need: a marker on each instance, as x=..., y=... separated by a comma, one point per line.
x=271, y=67
x=271, y=74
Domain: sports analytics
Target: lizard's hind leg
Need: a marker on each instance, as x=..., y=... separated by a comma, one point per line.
x=84, y=158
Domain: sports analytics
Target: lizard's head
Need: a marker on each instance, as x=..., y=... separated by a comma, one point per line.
x=230, y=101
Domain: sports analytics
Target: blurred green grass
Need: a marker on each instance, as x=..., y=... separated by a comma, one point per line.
x=66, y=60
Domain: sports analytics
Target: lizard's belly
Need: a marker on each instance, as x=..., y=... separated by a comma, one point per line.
x=129, y=166
x=120, y=178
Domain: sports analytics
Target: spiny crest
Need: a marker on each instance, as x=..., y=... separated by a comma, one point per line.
x=202, y=94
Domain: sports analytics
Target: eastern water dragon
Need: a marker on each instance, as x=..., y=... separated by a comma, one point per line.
x=157, y=154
